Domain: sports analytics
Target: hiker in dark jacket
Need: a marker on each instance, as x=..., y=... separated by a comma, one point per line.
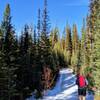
x=82, y=84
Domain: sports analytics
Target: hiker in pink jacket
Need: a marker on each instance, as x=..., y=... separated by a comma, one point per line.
x=82, y=85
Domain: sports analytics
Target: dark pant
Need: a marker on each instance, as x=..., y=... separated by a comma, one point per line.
x=82, y=91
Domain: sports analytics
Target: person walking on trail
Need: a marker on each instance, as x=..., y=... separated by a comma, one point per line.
x=82, y=85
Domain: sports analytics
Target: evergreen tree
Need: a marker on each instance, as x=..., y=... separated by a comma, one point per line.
x=9, y=57
x=45, y=43
x=54, y=36
x=25, y=70
x=63, y=41
x=54, y=40
x=89, y=42
x=95, y=31
x=92, y=17
x=63, y=54
x=1, y=38
x=47, y=59
x=37, y=45
x=85, y=45
x=68, y=44
x=75, y=48
x=2, y=74
x=39, y=24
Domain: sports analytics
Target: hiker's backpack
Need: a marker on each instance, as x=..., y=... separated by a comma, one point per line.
x=82, y=82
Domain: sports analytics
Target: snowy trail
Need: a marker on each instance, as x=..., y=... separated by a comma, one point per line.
x=65, y=88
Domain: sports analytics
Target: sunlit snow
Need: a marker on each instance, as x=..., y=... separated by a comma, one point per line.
x=65, y=88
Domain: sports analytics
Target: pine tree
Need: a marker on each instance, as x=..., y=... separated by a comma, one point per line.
x=45, y=43
x=68, y=44
x=95, y=31
x=25, y=70
x=54, y=36
x=9, y=56
x=85, y=45
x=63, y=53
x=63, y=41
x=46, y=54
x=92, y=17
x=37, y=45
x=39, y=24
x=1, y=38
x=2, y=74
x=54, y=40
x=75, y=48
x=37, y=72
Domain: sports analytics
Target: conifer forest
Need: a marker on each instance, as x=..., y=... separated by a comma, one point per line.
x=30, y=62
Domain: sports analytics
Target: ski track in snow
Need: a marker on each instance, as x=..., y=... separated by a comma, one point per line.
x=65, y=88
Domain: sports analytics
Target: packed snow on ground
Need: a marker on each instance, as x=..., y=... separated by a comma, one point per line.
x=65, y=88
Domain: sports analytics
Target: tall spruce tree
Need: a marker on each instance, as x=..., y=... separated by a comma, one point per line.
x=54, y=36
x=95, y=31
x=83, y=43
x=45, y=43
x=39, y=24
x=89, y=40
x=37, y=45
x=54, y=42
x=25, y=70
x=75, y=48
x=1, y=38
x=85, y=48
x=68, y=44
x=9, y=56
x=63, y=40
x=2, y=71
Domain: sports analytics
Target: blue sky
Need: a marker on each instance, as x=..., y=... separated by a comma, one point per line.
x=60, y=12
